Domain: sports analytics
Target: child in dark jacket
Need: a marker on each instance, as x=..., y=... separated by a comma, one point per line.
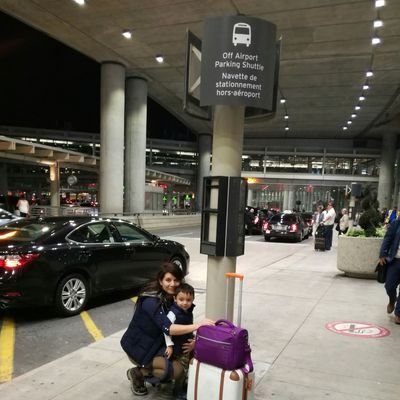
x=181, y=312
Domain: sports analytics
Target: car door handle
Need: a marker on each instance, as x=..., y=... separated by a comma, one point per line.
x=86, y=252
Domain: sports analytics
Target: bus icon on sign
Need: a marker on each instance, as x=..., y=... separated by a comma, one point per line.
x=241, y=34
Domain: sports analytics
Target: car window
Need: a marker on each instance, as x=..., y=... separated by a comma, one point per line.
x=96, y=232
x=24, y=230
x=289, y=219
x=284, y=219
x=129, y=233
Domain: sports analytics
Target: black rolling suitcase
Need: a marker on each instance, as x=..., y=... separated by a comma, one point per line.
x=319, y=241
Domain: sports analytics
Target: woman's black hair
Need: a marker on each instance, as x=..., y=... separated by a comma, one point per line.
x=165, y=268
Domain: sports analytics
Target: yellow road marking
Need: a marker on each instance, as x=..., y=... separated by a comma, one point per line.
x=7, y=338
x=134, y=299
x=91, y=327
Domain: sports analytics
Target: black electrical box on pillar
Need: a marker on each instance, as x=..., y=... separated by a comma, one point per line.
x=222, y=219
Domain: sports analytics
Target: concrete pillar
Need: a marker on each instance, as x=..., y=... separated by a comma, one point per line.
x=291, y=199
x=227, y=161
x=55, y=185
x=135, y=145
x=3, y=179
x=285, y=199
x=250, y=194
x=204, y=148
x=386, y=171
x=112, y=105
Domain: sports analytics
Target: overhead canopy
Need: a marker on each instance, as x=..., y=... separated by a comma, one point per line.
x=326, y=51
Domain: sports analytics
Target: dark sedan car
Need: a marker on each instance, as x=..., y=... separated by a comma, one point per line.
x=286, y=226
x=64, y=261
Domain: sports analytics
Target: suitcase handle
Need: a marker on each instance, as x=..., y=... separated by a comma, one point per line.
x=240, y=277
x=234, y=275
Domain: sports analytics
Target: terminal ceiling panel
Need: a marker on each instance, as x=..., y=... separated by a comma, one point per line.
x=326, y=52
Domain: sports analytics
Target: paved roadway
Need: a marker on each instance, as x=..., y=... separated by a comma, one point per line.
x=33, y=337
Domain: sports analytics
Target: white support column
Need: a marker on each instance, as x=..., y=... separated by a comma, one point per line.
x=112, y=138
x=386, y=171
x=227, y=161
x=55, y=185
x=204, y=148
x=135, y=145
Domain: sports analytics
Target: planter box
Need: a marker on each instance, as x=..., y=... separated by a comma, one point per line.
x=358, y=256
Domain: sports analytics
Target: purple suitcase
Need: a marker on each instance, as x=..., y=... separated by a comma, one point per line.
x=225, y=345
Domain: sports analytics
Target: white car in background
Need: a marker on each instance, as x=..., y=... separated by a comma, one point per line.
x=6, y=217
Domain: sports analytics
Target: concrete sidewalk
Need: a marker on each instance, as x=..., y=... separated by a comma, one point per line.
x=292, y=295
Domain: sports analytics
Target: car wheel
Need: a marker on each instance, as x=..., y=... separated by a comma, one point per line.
x=72, y=295
x=179, y=262
x=299, y=238
x=267, y=238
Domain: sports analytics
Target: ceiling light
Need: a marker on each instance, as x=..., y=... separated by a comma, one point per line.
x=365, y=87
x=380, y=3
x=378, y=23
x=80, y=2
x=361, y=98
x=286, y=128
x=345, y=128
x=127, y=33
x=369, y=74
x=353, y=115
x=160, y=59
x=375, y=40
x=283, y=100
x=357, y=108
x=286, y=116
x=349, y=122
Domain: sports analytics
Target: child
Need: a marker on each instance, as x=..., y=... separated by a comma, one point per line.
x=181, y=312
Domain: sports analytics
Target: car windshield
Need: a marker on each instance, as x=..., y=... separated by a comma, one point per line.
x=26, y=230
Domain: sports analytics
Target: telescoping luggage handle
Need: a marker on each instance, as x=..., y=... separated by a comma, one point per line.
x=234, y=275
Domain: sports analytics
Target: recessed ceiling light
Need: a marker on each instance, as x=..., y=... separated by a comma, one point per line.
x=345, y=128
x=283, y=100
x=361, y=98
x=357, y=108
x=380, y=3
x=369, y=74
x=127, y=33
x=375, y=40
x=378, y=23
x=349, y=122
x=80, y=2
x=286, y=116
x=160, y=59
x=353, y=115
x=365, y=87
x=286, y=128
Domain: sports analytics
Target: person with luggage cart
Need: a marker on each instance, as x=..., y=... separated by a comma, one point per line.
x=327, y=222
x=144, y=341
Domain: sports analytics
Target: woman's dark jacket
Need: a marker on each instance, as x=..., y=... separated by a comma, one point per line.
x=144, y=338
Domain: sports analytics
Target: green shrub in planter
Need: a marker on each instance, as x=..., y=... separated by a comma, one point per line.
x=356, y=232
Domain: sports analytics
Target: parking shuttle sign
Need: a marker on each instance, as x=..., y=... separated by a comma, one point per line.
x=238, y=62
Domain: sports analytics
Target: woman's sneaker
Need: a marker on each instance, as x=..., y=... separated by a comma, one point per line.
x=137, y=381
